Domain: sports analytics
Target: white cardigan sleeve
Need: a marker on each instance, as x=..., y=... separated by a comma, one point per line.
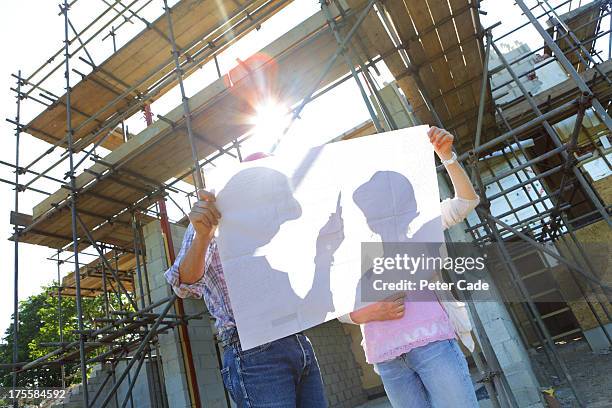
x=346, y=319
x=454, y=210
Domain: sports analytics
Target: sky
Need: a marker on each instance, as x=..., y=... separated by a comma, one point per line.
x=32, y=31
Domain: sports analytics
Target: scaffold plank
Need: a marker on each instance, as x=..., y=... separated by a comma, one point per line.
x=145, y=60
x=405, y=25
x=402, y=73
x=430, y=38
x=447, y=32
x=92, y=282
x=442, y=40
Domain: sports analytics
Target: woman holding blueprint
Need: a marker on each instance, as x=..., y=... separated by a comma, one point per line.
x=413, y=345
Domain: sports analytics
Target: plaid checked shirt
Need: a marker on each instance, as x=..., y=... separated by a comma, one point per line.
x=211, y=286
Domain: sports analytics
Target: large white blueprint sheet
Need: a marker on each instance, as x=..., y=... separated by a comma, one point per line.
x=292, y=226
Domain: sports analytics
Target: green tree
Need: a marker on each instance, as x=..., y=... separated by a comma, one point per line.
x=39, y=323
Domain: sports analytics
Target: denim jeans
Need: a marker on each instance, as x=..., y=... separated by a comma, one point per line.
x=283, y=373
x=435, y=375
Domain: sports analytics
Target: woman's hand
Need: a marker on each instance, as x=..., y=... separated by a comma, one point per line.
x=392, y=308
x=442, y=141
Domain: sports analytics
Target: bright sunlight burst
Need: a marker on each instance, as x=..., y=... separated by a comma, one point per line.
x=270, y=120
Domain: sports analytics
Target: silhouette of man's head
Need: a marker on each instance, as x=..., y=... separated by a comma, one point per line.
x=267, y=202
x=387, y=200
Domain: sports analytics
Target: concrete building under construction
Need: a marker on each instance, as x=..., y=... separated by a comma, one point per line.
x=533, y=129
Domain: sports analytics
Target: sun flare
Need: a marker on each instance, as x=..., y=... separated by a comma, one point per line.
x=270, y=120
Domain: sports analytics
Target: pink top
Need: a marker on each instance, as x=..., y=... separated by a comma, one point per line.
x=423, y=322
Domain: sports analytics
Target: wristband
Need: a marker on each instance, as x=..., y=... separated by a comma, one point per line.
x=452, y=160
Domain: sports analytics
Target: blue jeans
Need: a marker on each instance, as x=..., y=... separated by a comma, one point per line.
x=283, y=373
x=435, y=375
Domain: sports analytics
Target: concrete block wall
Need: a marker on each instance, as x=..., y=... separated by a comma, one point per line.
x=370, y=380
x=74, y=397
x=339, y=369
x=141, y=394
x=169, y=343
x=210, y=384
x=96, y=380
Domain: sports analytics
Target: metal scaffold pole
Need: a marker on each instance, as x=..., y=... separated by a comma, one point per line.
x=73, y=207
x=197, y=177
x=483, y=88
x=60, y=314
x=542, y=200
x=16, y=244
x=494, y=379
x=142, y=348
x=567, y=65
x=553, y=133
x=342, y=49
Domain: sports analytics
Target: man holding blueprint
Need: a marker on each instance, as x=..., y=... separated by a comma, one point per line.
x=284, y=372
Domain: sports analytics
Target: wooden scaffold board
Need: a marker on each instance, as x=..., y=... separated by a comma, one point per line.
x=115, y=85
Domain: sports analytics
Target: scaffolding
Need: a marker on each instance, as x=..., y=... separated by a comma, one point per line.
x=439, y=55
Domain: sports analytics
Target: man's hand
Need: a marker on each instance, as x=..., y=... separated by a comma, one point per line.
x=442, y=141
x=392, y=308
x=204, y=215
